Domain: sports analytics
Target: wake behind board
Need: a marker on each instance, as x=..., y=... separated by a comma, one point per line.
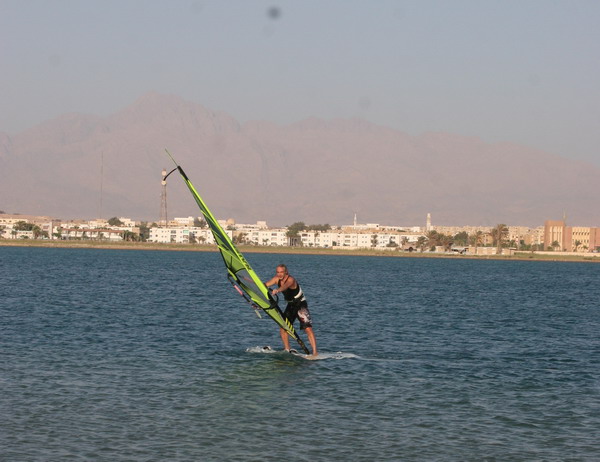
x=267, y=349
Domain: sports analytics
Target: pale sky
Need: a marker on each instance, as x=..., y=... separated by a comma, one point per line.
x=524, y=71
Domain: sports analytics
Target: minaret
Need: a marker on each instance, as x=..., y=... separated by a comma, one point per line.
x=354, y=220
x=163, y=200
x=428, y=225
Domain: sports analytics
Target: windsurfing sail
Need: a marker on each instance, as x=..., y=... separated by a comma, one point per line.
x=240, y=273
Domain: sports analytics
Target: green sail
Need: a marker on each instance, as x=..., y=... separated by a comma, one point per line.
x=240, y=271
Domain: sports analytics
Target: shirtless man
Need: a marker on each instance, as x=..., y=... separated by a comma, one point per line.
x=296, y=308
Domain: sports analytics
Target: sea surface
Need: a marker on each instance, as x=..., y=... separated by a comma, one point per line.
x=127, y=355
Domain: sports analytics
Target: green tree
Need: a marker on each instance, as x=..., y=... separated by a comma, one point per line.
x=23, y=226
x=199, y=223
x=144, y=231
x=435, y=239
x=321, y=228
x=293, y=233
x=432, y=238
x=114, y=221
x=130, y=236
x=295, y=228
x=461, y=238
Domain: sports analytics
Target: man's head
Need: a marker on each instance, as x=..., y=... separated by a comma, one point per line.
x=282, y=271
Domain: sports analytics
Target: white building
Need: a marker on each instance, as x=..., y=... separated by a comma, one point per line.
x=269, y=237
x=8, y=221
x=183, y=235
x=91, y=233
x=182, y=222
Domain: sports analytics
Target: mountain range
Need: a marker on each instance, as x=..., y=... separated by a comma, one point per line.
x=316, y=171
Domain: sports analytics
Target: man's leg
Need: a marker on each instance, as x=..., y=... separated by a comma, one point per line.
x=285, y=338
x=311, y=338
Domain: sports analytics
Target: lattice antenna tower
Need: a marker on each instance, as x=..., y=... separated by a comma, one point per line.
x=163, y=200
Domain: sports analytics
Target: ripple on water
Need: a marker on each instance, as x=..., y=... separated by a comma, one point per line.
x=116, y=355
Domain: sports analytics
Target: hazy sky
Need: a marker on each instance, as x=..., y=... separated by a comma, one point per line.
x=526, y=71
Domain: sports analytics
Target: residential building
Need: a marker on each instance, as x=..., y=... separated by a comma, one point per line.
x=183, y=235
x=47, y=226
x=570, y=238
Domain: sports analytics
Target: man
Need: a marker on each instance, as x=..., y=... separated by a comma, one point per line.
x=296, y=308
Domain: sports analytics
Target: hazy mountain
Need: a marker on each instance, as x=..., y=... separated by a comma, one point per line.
x=314, y=171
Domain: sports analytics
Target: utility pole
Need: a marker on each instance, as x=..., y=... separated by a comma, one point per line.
x=163, y=200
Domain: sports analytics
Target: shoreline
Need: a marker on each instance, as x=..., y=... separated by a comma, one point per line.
x=518, y=256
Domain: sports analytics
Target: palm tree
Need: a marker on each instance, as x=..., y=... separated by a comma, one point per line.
x=239, y=238
x=499, y=234
x=433, y=238
x=37, y=231
x=374, y=240
x=447, y=241
x=293, y=233
x=199, y=223
x=577, y=244
x=476, y=239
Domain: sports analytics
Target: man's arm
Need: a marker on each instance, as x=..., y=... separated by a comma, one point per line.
x=272, y=282
x=288, y=283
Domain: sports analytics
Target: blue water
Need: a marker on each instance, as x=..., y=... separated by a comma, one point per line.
x=116, y=355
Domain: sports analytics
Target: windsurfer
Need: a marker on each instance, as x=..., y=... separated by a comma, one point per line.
x=296, y=308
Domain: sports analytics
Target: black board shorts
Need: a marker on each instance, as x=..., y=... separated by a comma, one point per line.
x=298, y=311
